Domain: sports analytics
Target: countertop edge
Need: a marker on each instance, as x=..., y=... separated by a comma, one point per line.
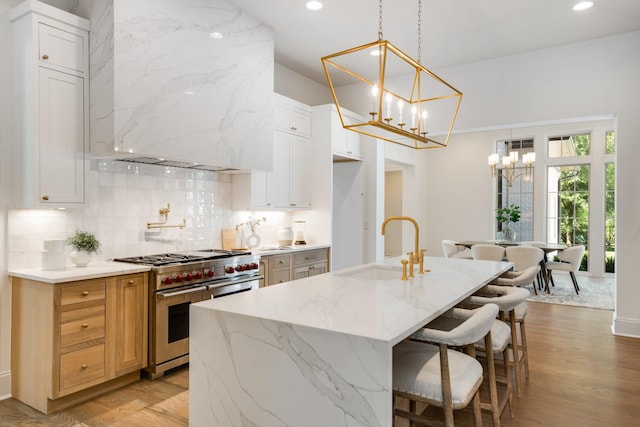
x=72, y=274
x=288, y=250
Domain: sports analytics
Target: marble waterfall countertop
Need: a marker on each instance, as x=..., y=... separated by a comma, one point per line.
x=72, y=273
x=317, y=351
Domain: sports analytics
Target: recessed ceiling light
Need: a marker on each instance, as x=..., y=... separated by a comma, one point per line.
x=583, y=5
x=314, y=5
x=216, y=35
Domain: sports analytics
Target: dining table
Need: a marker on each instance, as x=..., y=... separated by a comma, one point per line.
x=547, y=247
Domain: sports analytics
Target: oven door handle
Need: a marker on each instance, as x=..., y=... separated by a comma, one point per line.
x=165, y=295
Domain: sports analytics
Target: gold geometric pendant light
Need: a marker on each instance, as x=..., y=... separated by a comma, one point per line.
x=410, y=105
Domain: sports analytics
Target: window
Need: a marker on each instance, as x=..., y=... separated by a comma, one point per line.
x=569, y=146
x=610, y=205
x=517, y=189
x=568, y=193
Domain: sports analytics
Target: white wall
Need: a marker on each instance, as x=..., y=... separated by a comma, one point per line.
x=594, y=78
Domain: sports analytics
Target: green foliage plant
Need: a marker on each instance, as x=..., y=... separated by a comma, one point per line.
x=509, y=214
x=85, y=241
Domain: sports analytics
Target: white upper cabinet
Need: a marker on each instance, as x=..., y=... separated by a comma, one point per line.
x=286, y=184
x=178, y=92
x=345, y=144
x=67, y=51
x=291, y=116
x=50, y=105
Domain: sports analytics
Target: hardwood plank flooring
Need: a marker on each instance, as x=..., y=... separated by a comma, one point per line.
x=581, y=375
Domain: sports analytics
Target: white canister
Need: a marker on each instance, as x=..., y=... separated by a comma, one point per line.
x=285, y=236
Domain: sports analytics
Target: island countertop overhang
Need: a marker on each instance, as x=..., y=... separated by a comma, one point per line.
x=349, y=303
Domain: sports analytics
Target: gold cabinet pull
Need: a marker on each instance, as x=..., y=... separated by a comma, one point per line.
x=85, y=293
x=85, y=325
x=45, y=56
x=281, y=262
x=45, y=197
x=83, y=366
x=131, y=282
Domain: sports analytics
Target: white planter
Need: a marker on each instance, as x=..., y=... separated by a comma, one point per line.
x=81, y=258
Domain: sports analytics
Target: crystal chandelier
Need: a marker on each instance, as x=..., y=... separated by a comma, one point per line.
x=410, y=105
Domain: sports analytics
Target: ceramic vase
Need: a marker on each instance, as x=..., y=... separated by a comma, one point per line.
x=80, y=258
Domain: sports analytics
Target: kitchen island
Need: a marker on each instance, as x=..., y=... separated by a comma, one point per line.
x=317, y=351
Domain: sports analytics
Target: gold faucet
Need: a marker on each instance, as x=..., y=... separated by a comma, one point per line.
x=416, y=253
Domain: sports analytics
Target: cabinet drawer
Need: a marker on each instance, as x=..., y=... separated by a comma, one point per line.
x=280, y=276
x=82, y=292
x=82, y=325
x=82, y=366
x=309, y=257
x=279, y=261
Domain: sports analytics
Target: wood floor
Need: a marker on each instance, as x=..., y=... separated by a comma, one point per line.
x=581, y=375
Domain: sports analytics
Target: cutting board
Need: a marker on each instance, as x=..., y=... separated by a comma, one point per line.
x=230, y=239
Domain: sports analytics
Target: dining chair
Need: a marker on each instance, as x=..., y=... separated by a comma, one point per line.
x=487, y=252
x=433, y=374
x=451, y=250
x=524, y=257
x=569, y=260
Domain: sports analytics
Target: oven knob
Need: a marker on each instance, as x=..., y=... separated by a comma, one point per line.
x=199, y=275
x=240, y=267
x=178, y=278
x=209, y=273
x=255, y=266
x=188, y=277
x=167, y=280
x=229, y=269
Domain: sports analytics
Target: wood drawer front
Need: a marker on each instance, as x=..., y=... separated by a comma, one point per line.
x=279, y=261
x=82, y=366
x=307, y=257
x=83, y=292
x=280, y=276
x=82, y=325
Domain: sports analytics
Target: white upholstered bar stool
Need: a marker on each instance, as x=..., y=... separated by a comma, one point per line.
x=500, y=344
x=436, y=375
x=511, y=301
x=487, y=252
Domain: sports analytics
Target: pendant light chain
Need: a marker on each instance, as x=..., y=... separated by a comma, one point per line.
x=419, y=31
x=380, y=37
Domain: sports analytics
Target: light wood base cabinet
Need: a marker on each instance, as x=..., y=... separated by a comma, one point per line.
x=71, y=341
x=297, y=265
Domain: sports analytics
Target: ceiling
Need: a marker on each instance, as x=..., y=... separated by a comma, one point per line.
x=453, y=31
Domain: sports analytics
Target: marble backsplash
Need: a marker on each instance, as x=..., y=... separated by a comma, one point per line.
x=121, y=197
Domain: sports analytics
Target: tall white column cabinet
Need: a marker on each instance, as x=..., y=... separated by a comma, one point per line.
x=50, y=66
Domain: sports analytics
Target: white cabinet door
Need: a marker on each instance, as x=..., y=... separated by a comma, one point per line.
x=344, y=142
x=60, y=149
x=279, y=178
x=289, y=116
x=63, y=49
x=299, y=172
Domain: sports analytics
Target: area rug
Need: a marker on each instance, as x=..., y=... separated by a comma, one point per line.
x=594, y=292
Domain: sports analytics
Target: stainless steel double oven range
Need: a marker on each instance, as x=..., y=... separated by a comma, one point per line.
x=179, y=279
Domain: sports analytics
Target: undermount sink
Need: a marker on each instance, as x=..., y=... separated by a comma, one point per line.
x=375, y=272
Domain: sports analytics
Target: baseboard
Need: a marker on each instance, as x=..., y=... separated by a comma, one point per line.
x=5, y=385
x=625, y=327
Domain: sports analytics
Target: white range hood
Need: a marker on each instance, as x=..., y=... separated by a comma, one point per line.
x=166, y=89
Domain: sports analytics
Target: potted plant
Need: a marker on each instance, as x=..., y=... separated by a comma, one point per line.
x=507, y=215
x=84, y=244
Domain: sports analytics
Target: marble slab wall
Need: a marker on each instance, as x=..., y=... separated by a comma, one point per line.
x=164, y=85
